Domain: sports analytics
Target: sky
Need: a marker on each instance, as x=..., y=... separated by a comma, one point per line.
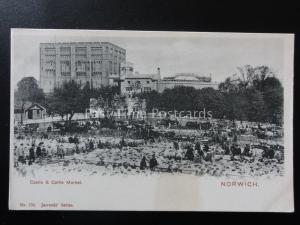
x=218, y=54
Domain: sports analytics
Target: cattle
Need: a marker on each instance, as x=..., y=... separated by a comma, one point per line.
x=220, y=151
x=44, y=135
x=269, y=134
x=235, y=150
x=208, y=156
x=73, y=140
x=173, y=154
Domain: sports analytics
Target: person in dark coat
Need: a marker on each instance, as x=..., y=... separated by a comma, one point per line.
x=198, y=147
x=247, y=150
x=76, y=140
x=60, y=151
x=91, y=145
x=199, y=151
x=189, y=155
x=38, y=152
x=206, y=148
x=176, y=145
x=44, y=152
x=100, y=145
x=235, y=150
x=226, y=149
x=77, y=150
x=49, y=129
x=153, y=162
x=234, y=138
x=143, y=164
x=31, y=155
x=122, y=143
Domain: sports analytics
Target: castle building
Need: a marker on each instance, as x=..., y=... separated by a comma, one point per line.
x=93, y=63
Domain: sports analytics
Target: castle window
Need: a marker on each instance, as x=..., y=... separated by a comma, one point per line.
x=96, y=66
x=65, y=51
x=96, y=51
x=82, y=67
x=65, y=67
x=81, y=51
x=50, y=51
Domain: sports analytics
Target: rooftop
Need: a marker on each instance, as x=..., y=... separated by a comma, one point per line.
x=82, y=43
x=137, y=75
x=189, y=77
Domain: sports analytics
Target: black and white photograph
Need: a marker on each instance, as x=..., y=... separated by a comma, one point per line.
x=164, y=112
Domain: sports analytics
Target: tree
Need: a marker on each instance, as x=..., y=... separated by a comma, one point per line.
x=228, y=86
x=179, y=98
x=86, y=93
x=262, y=75
x=247, y=77
x=28, y=91
x=266, y=93
x=153, y=99
x=236, y=106
x=107, y=92
x=64, y=99
x=255, y=94
x=273, y=98
x=109, y=95
x=255, y=108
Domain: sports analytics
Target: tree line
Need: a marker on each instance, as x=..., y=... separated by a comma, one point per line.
x=66, y=100
x=253, y=94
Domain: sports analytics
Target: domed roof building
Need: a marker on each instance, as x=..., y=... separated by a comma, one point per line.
x=134, y=82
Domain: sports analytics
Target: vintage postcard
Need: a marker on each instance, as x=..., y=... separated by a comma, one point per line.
x=138, y=120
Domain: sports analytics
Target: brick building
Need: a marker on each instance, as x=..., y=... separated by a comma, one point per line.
x=134, y=82
x=95, y=63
